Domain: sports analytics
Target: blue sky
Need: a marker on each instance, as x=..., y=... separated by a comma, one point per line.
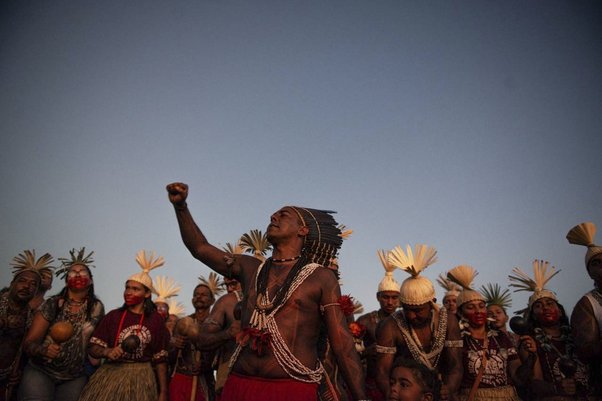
x=471, y=126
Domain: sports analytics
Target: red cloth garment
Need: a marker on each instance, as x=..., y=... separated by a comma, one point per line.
x=372, y=391
x=180, y=388
x=248, y=388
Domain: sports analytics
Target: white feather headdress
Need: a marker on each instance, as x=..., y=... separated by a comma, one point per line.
x=176, y=308
x=27, y=261
x=584, y=234
x=213, y=283
x=166, y=288
x=464, y=275
x=415, y=290
x=451, y=288
x=146, y=264
x=388, y=283
x=537, y=285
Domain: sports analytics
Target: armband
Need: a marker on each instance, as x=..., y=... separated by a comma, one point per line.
x=454, y=343
x=385, y=350
x=323, y=307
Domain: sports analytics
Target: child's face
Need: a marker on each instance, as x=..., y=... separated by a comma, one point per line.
x=404, y=386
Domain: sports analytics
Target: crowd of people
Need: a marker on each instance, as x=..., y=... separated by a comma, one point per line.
x=284, y=331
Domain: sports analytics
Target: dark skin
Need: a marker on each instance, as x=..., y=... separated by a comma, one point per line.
x=389, y=302
x=583, y=320
x=12, y=325
x=419, y=318
x=299, y=319
x=134, y=288
x=222, y=328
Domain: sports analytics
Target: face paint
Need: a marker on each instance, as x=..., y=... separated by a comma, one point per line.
x=131, y=300
x=78, y=282
x=476, y=319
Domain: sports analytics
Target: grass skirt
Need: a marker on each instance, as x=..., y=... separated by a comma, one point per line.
x=506, y=393
x=122, y=382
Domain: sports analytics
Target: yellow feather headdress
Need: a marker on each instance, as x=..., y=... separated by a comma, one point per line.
x=415, y=290
x=464, y=275
x=27, y=261
x=537, y=285
x=166, y=288
x=388, y=283
x=176, y=308
x=584, y=234
x=451, y=288
x=213, y=283
x=147, y=263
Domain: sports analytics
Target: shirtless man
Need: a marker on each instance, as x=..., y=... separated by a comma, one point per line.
x=388, y=299
x=421, y=330
x=586, y=319
x=281, y=315
x=15, y=319
x=219, y=331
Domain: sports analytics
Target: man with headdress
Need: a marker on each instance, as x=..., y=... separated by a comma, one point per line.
x=388, y=299
x=193, y=373
x=286, y=300
x=586, y=319
x=133, y=341
x=421, y=330
x=452, y=290
x=219, y=330
x=16, y=316
x=56, y=341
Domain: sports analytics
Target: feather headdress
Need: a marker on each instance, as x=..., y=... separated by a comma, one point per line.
x=27, y=261
x=464, y=275
x=323, y=240
x=495, y=296
x=584, y=234
x=78, y=258
x=451, y=288
x=176, y=308
x=166, y=288
x=147, y=264
x=213, y=283
x=415, y=290
x=537, y=285
x=388, y=283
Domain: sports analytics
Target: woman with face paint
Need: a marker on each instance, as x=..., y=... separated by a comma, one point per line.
x=133, y=341
x=559, y=374
x=57, y=368
x=491, y=363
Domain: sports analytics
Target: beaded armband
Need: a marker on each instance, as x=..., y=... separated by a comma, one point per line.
x=385, y=350
x=323, y=307
x=454, y=343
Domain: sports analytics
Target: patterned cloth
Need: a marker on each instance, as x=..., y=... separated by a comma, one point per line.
x=500, y=352
x=153, y=335
x=70, y=362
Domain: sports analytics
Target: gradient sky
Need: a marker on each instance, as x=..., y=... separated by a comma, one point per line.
x=470, y=126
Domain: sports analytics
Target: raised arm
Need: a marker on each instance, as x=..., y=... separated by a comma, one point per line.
x=340, y=338
x=197, y=243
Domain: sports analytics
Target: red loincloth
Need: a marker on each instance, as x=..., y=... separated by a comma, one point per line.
x=180, y=388
x=248, y=388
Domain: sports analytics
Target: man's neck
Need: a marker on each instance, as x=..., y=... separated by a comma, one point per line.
x=201, y=314
x=478, y=332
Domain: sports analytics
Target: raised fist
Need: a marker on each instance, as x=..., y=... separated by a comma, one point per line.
x=178, y=192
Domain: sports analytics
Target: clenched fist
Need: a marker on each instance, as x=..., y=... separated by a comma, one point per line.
x=178, y=192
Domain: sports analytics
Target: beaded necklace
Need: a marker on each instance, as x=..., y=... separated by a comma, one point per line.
x=431, y=359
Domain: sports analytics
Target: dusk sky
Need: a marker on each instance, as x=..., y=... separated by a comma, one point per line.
x=471, y=126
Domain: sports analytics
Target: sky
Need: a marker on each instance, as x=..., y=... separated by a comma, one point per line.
x=470, y=126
